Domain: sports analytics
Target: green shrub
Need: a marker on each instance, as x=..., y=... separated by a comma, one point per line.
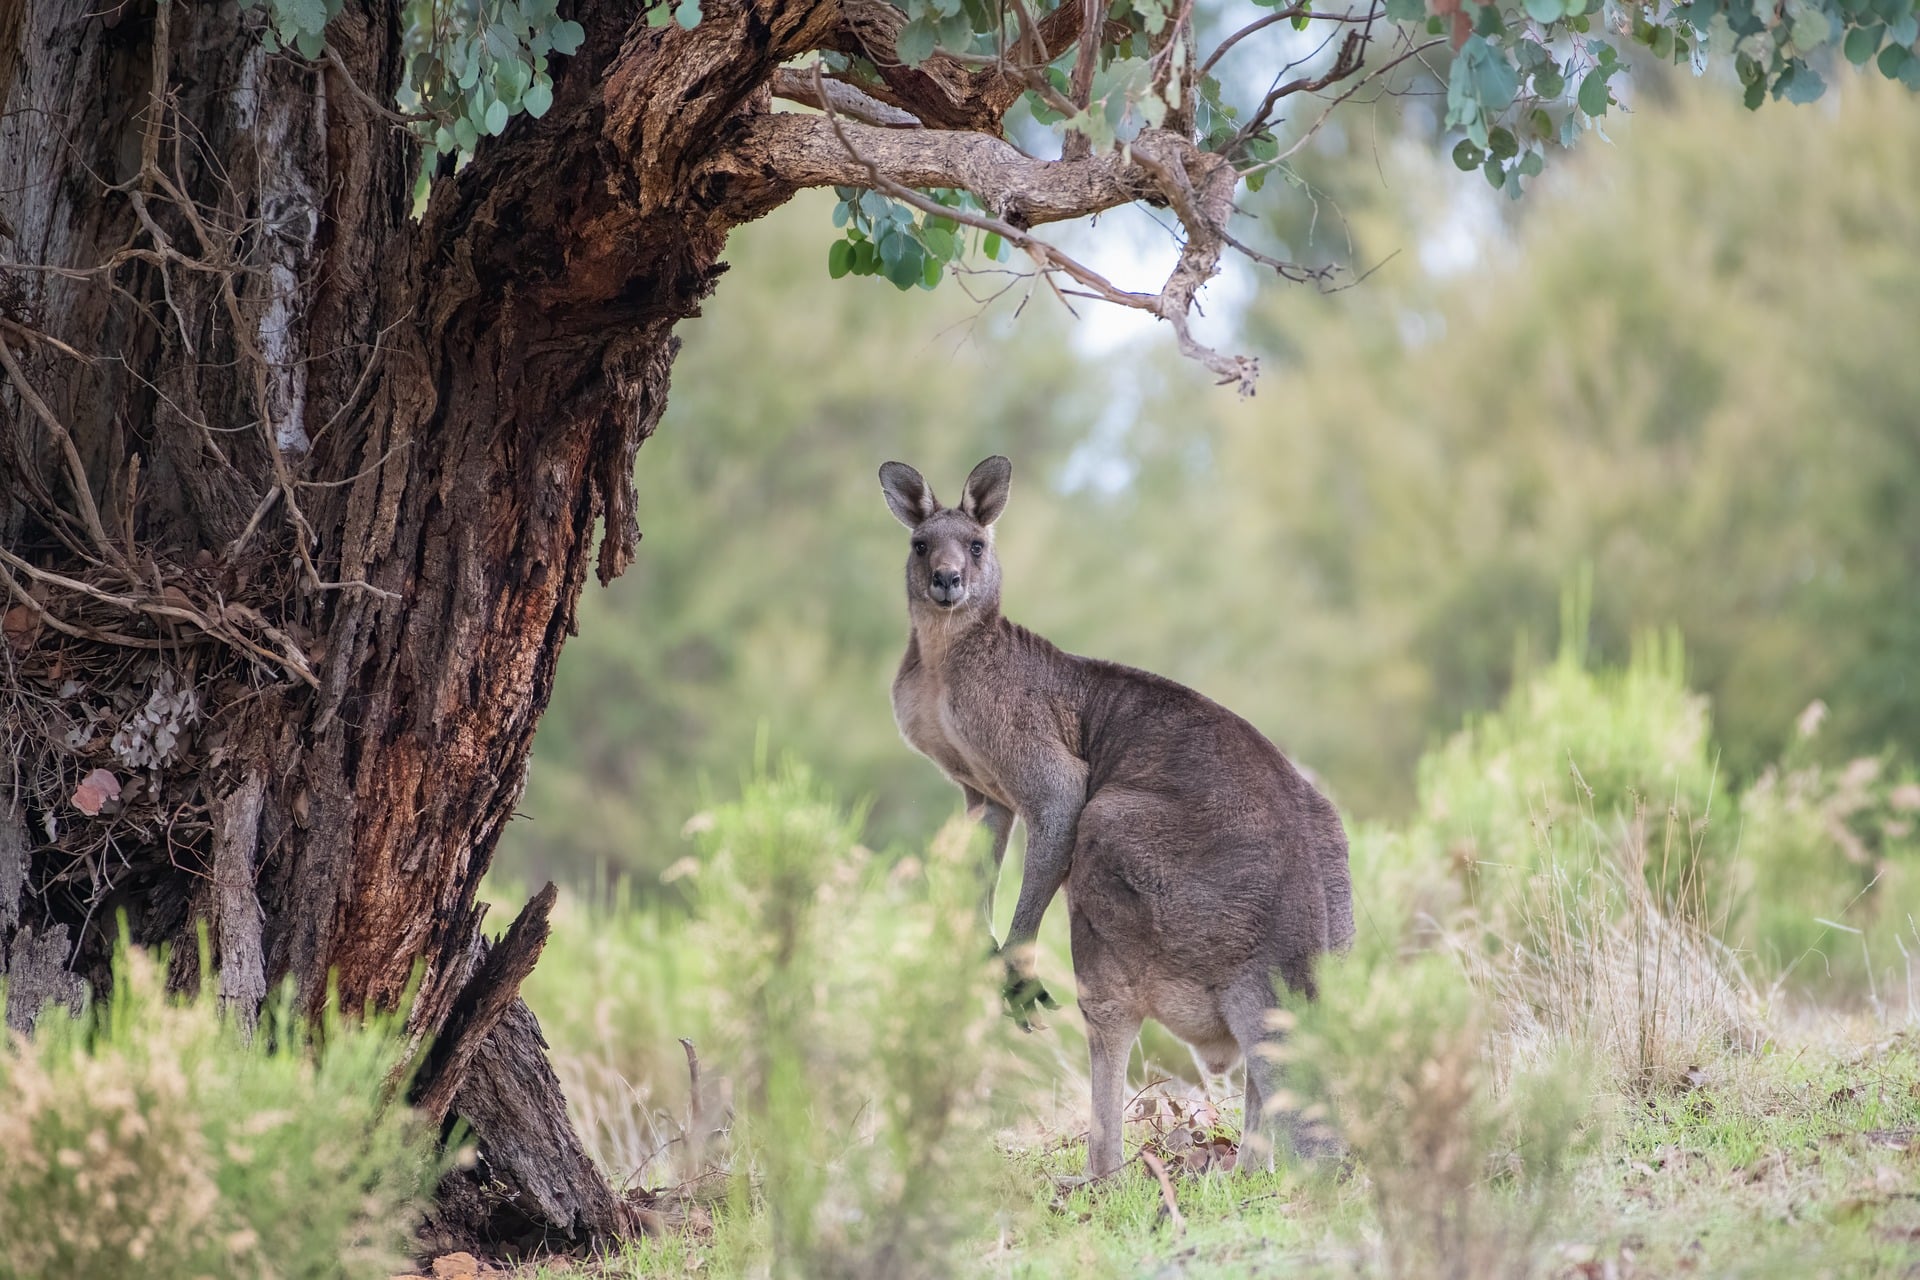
x=1573, y=747
x=855, y=1007
x=147, y=1137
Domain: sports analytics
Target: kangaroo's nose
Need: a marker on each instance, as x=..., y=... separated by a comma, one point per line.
x=946, y=581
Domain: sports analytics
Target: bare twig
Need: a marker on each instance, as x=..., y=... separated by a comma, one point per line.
x=1159, y=1171
x=404, y=119
x=76, y=470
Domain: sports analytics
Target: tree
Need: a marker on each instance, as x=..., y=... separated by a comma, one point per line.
x=301, y=490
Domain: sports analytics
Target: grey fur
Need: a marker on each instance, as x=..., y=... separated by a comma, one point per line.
x=1198, y=862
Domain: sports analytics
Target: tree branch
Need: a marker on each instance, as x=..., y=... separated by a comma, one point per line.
x=843, y=98
x=796, y=151
x=1021, y=192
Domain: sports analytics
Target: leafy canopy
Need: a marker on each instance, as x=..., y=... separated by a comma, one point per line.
x=1521, y=80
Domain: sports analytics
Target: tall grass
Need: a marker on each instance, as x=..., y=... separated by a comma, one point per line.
x=148, y=1137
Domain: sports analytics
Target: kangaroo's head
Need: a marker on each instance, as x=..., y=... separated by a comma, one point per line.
x=951, y=567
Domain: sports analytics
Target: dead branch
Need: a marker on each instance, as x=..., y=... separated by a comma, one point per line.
x=1351, y=58
x=482, y=1003
x=1159, y=1170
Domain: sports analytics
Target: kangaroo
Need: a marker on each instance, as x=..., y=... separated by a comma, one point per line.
x=1198, y=862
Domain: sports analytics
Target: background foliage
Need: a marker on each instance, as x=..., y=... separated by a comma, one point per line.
x=1683, y=368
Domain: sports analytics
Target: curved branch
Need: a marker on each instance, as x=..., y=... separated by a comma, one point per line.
x=1019, y=193
x=792, y=151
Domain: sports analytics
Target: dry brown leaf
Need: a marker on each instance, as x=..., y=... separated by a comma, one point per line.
x=94, y=791
x=20, y=625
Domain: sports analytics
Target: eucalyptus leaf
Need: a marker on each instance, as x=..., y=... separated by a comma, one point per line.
x=1862, y=43
x=539, y=97
x=916, y=42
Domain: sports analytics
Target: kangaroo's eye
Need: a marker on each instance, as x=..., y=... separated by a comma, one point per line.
x=978, y=548
x=919, y=547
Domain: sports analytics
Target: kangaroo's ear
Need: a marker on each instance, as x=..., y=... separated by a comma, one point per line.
x=908, y=496
x=987, y=487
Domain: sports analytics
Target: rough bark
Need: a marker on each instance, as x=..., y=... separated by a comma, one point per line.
x=298, y=493
x=336, y=474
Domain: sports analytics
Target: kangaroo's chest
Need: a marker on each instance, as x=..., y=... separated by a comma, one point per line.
x=925, y=710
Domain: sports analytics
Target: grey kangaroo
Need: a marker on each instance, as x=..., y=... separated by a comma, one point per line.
x=1198, y=863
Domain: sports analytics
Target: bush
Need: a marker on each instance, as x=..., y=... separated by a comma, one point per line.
x=856, y=1007
x=1466, y=1176
x=148, y=1138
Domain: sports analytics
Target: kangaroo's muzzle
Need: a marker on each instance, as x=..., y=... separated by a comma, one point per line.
x=946, y=590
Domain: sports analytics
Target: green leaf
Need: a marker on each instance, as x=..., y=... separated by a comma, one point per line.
x=1594, y=95
x=993, y=247
x=1496, y=176
x=465, y=134
x=839, y=258
x=310, y=44
x=939, y=242
x=496, y=117
x=1406, y=10
x=1531, y=164
x=1503, y=144
x=539, y=96
x=1861, y=44
x=307, y=15
x=1467, y=157
x=1894, y=61
x=1549, y=83
x=1903, y=29
x=1492, y=80
x=1543, y=11
x=1811, y=30
x=907, y=265
x=916, y=42
x=1799, y=84
x=567, y=36
x=687, y=14
x=930, y=274
x=270, y=40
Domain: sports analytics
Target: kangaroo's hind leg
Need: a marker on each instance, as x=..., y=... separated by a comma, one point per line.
x=1111, y=1031
x=1246, y=1009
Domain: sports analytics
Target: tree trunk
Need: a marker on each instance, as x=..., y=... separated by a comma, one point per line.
x=298, y=495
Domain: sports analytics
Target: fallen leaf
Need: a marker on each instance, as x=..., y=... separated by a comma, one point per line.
x=21, y=625
x=94, y=791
